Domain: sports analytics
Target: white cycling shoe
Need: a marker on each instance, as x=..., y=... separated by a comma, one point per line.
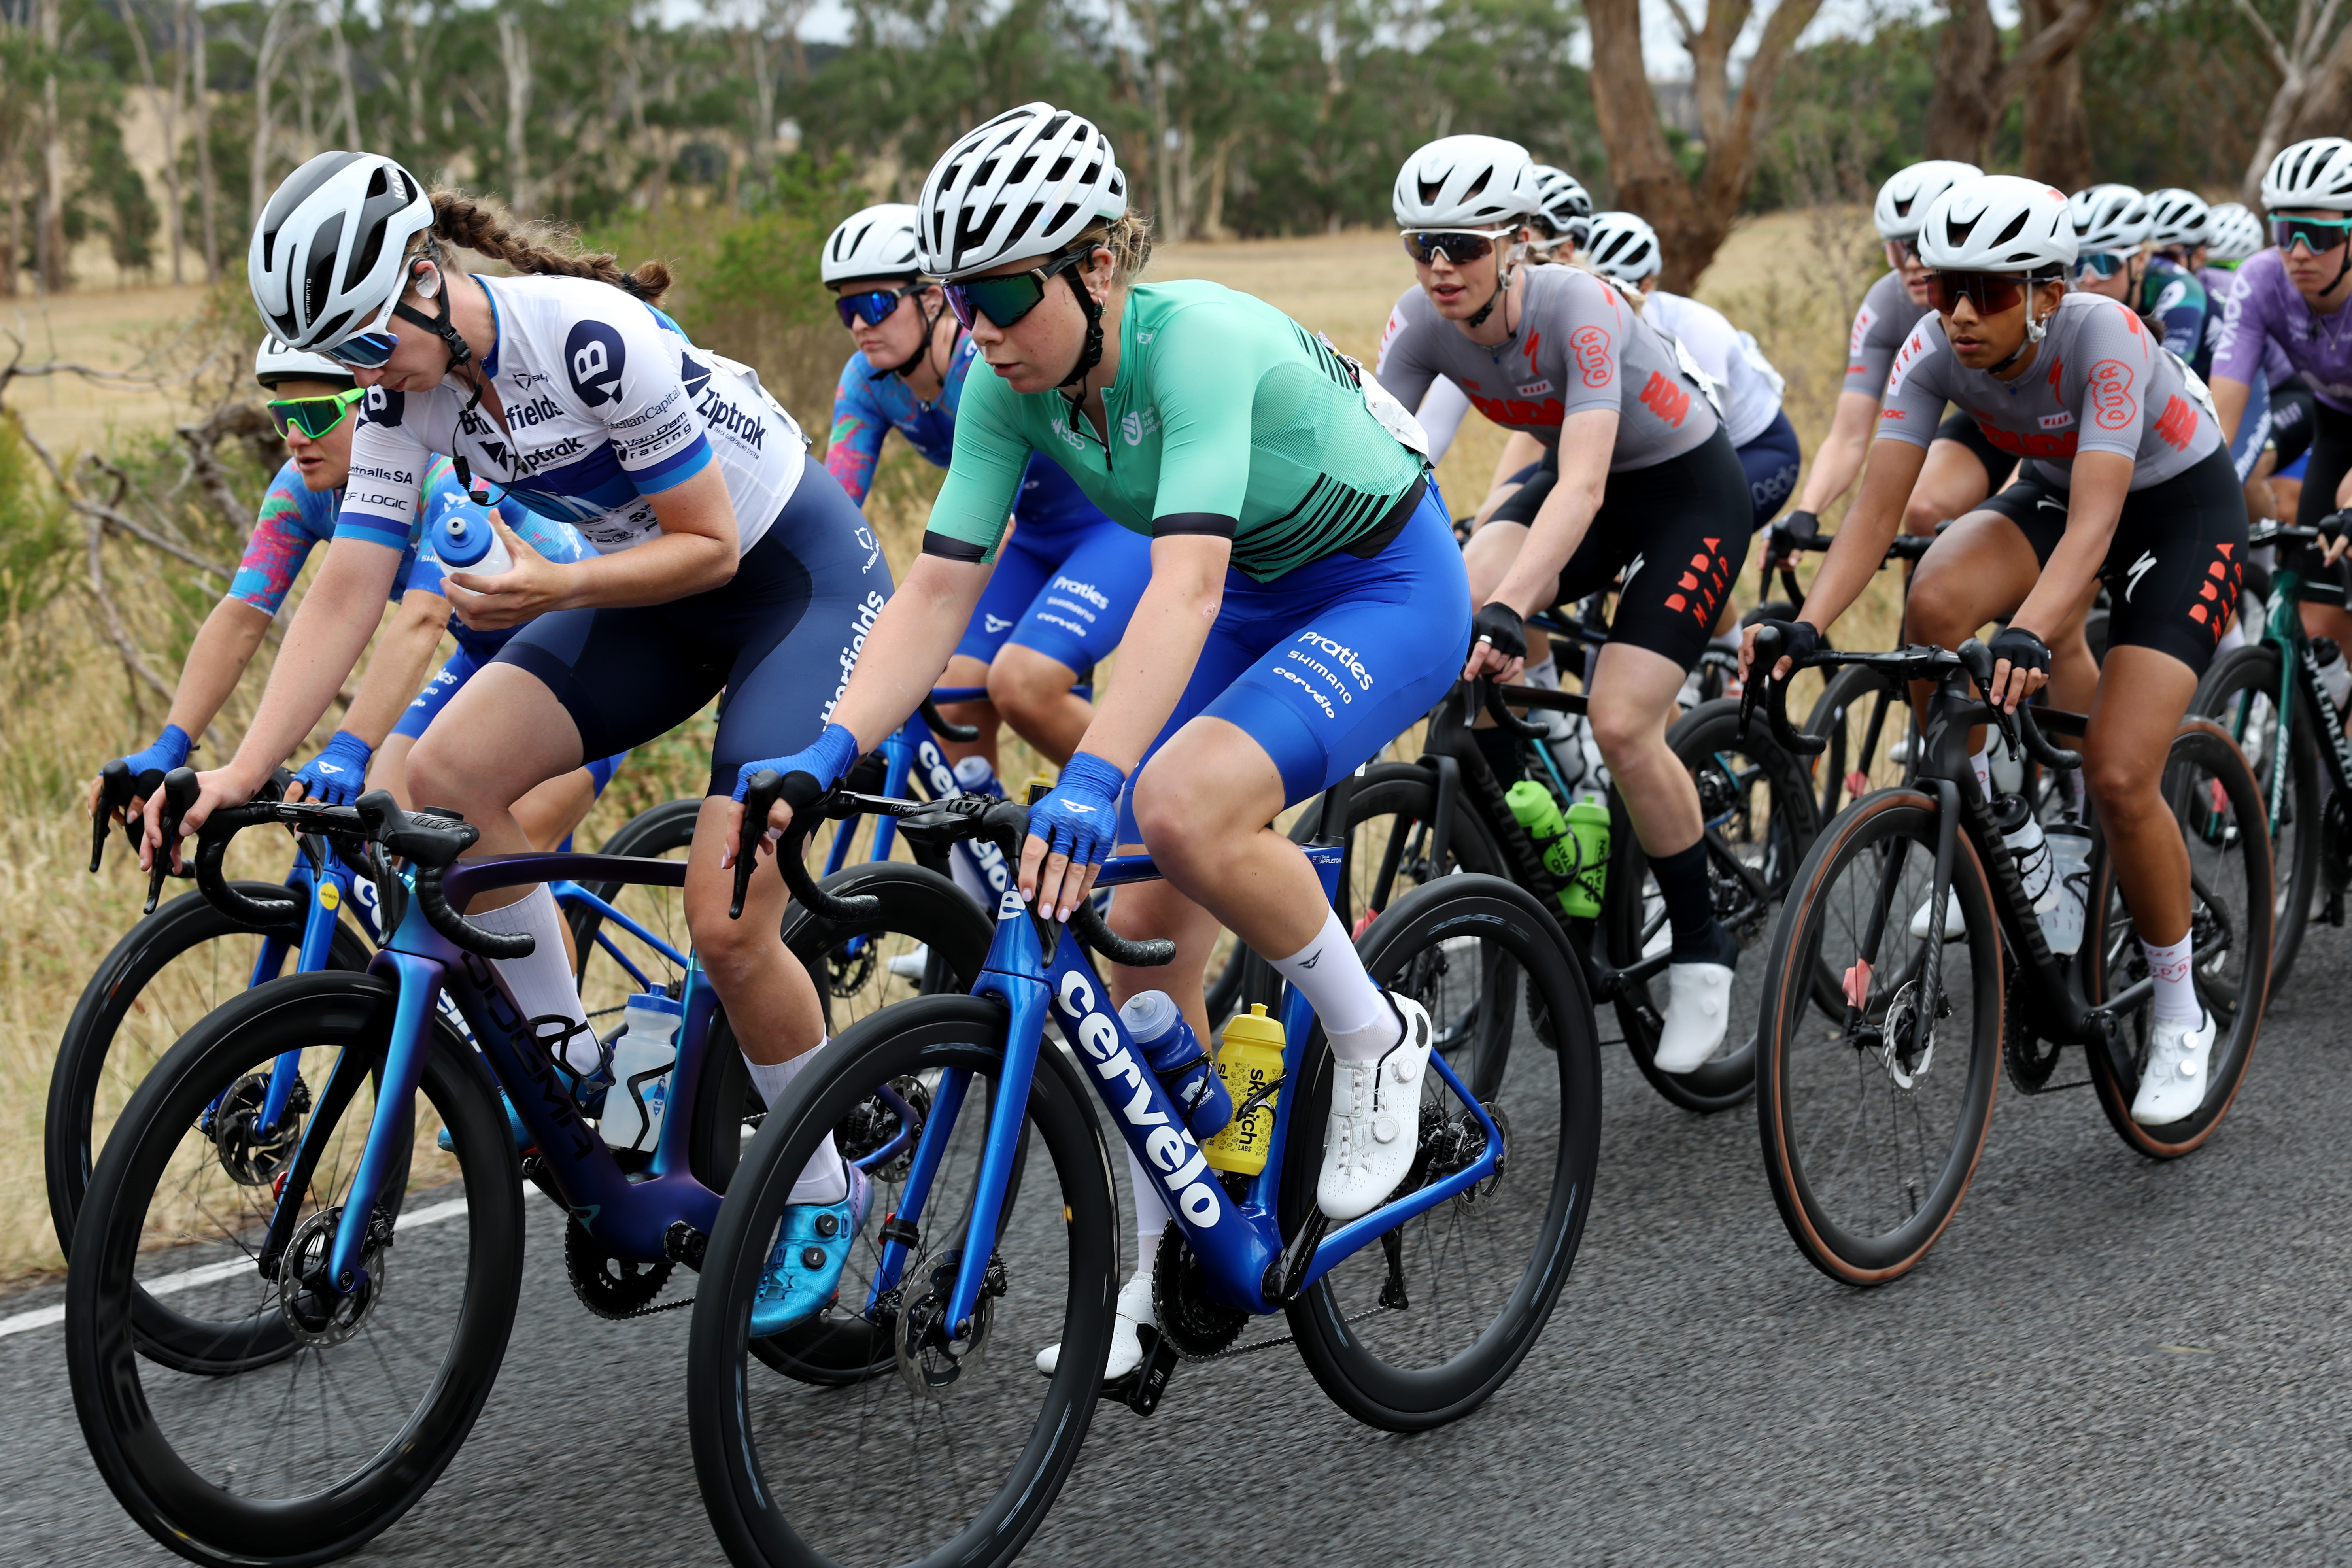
x=2173, y=1086
x=1956, y=926
x=1126, y=1349
x=1375, y=1123
x=908, y=966
x=1698, y=1015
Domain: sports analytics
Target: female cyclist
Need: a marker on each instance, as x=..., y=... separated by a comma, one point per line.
x=2112, y=226
x=727, y=559
x=1306, y=603
x=2127, y=479
x=1061, y=597
x=2292, y=297
x=313, y=410
x=1640, y=479
x=1962, y=468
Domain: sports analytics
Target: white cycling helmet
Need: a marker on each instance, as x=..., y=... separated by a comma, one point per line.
x=1999, y=223
x=1623, y=247
x=2109, y=217
x=1025, y=184
x=1467, y=183
x=1563, y=203
x=878, y=242
x=327, y=254
x=2233, y=234
x=273, y=362
x=1903, y=201
x=2316, y=173
x=2178, y=217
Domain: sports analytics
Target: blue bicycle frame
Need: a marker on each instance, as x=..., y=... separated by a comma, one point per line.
x=1238, y=1244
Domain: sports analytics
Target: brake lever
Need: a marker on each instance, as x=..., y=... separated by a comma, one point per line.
x=766, y=788
x=1977, y=660
x=1505, y=719
x=115, y=787
x=180, y=793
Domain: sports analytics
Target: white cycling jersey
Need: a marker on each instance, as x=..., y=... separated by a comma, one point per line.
x=1749, y=387
x=606, y=404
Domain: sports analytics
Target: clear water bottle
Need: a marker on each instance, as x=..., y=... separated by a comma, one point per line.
x=1183, y=1068
x=2335, y=671
x=642, y=1059
x=2022, y=831
x=464, y=543
x=2061, y=909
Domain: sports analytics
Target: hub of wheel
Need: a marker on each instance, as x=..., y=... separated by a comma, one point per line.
x=316, y=1315
x=1907, y=1060
x=252, y=1155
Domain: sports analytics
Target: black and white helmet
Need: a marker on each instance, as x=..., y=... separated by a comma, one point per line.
x=1999, y=223
x=2109, y=217
x=1563, y=203
x=1025, y=184
x=2176, y=216
x=878, y=242
x=326, y=255
x=2233, y=234
x=2316, y=174
x=273, y=362
x=1903, y=200
x=1468, y=183
x=1623, y=247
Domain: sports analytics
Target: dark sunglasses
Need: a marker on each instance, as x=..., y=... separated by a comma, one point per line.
x=1007, y=296
x=366, y=352
x=2316, y=234
x=872, y=306
x=2099, y=263
x=1455, y=245
x=1900, y=251
x=1989, y=292
x=314, y=416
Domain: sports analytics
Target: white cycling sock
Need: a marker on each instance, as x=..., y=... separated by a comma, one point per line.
x=1982, y=762
x=822, y=1180
x=2175, y=992
x=541, y=980
x=1359, y=1024
x=1150, y=1211
x=1544, y=672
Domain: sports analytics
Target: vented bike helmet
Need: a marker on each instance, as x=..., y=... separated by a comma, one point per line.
x=326, y=256
x=2178, y=217
x=1903, y=200
x=1999, y=223
x=1624, y=247
x=1025, y=184
x=2233, y=234
x=878, y=242
x=2316, y=174
x=2110, y=218
x=273, y=362
x=1467, y=183
x=1564, y=205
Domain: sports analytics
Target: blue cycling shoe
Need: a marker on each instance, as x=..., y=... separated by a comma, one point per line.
x=813, y=1247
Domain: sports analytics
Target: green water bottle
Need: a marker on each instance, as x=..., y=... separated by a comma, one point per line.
x=1588, y=819
x=1538, y=813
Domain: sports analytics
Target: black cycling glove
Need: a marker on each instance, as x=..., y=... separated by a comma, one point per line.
x=1501, y=628
x=2022, y=649
x=1801, y=525
x=1798, y=641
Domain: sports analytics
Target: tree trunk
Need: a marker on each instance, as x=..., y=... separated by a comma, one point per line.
x=2057, y=127
x=50, y=262
x=199, y=105
x=514, y=55
x=351, y=100
x=175, y=109
x=2325, y=100
x=1967, y=55
x=265, y=68
x=167, y=109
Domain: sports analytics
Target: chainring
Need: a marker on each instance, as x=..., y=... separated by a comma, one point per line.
x=251, y=1157
x=2028, y=1059
x=607, y=1285
x=1195, y=1326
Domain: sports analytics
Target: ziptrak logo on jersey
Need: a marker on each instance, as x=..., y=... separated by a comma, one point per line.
x=723, y=417
x=859, y=626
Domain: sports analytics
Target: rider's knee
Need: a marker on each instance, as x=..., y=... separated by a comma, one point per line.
x=440, y=774
x=2123, y=788
x=1922, y=513
x=1619, y=726
x=1024, y=687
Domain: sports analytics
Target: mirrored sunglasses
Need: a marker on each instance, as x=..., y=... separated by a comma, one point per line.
x=314, y=416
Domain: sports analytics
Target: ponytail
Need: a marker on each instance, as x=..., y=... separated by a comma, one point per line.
x=544, y=248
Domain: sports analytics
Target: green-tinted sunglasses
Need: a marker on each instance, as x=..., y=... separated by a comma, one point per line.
x=314, y=416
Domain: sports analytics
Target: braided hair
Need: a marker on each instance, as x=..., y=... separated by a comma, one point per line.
x=480, y=224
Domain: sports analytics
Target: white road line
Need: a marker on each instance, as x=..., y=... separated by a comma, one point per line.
x=189, y=1279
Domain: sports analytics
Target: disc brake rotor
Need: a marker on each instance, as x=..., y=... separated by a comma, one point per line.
x=928, y=1360
x=252, y=1155
x=1904, y=1066
x=316, y=1316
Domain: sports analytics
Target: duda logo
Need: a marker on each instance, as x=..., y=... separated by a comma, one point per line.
x=1168, y=1150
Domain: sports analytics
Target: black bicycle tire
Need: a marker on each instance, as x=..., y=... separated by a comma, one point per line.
x=654, y=831
x=1832, y=768
x=182, y=1511
x=1822, y=1242
x=175, y=929
x=2256, y=667
x=1374, y=1394
x=744, y=1511
x=2212, y=745
x=1725, y=1081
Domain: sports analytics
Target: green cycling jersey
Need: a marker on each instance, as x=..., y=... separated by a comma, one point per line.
x=1205, y=375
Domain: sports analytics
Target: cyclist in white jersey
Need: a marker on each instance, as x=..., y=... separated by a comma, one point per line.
x=1961, y=469
x=2125, y=478
x=729, y=560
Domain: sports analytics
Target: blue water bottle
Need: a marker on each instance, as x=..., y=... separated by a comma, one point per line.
x=1183, y=1068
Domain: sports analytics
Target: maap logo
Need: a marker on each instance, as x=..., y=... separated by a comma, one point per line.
x=1168, y=1148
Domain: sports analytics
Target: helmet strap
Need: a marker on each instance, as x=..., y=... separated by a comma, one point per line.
x=2034, y=332
x=906, y=367
x=1503, y=275
x=1090, y=355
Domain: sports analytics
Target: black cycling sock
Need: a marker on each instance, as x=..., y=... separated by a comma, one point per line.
x=1690, y=908
x=1502, y=754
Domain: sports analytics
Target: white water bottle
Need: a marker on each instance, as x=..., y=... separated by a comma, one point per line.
x=2061, y=909
x=2022, y=833
x=2335, y=671
x=642, y=1059
x=464, y=543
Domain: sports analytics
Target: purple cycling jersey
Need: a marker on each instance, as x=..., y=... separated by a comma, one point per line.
x=2264, y=308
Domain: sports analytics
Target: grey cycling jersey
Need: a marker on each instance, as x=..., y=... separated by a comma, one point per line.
x=2097, y=383
x=1577, y=344
x=1880, y=327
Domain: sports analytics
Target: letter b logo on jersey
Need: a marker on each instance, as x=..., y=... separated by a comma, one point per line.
x=593, y=356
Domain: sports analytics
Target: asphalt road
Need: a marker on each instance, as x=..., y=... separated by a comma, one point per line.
x=2105, y=1361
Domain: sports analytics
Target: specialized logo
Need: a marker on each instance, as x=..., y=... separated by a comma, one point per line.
x=1168, y=1150
x=594, y=358
x=1590, y=347
x=2138, y=569
x=2111, y=403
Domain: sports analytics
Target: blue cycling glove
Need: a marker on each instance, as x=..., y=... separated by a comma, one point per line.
x=170, y=751
x=825, y=759
x=1080, y=818
x=338, y=773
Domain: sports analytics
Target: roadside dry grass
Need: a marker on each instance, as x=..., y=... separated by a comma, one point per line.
x=1791, y=278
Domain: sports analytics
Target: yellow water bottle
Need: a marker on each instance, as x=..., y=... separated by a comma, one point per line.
x=1251, y=1058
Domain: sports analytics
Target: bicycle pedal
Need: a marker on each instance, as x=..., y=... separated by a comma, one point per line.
x=1140, y=1390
